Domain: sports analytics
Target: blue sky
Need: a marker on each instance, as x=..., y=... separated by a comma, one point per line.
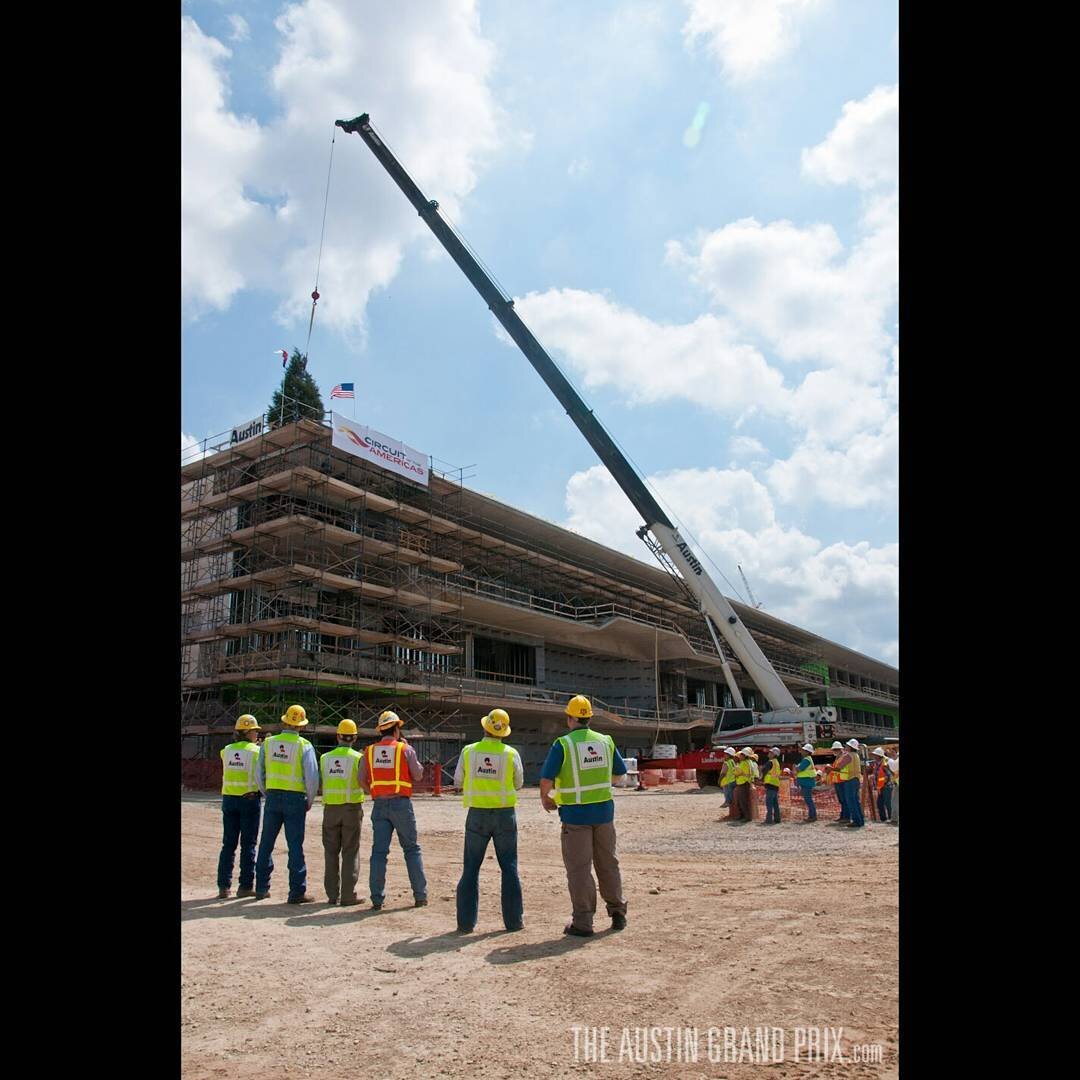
x=723, y=294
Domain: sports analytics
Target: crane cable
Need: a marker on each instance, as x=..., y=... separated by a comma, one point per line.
x=322, y=233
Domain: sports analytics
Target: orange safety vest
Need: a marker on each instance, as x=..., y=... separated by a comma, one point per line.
x=388, y=771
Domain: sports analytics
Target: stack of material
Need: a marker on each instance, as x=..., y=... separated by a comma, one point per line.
x=630, y=777
x=650, y=777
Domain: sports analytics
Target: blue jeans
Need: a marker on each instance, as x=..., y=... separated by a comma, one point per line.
x=884, y=803
x=288, y=809
x=854, y=809
x=240, y=817
x=808, y=797
x=772, y=803
x=482, y=825
x=387, y=814
x=841, y=790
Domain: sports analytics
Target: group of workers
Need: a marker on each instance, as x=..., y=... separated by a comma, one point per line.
x=575, y=780
x=740, y=771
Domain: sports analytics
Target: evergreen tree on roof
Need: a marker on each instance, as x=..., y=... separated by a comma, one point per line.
x=302, y=400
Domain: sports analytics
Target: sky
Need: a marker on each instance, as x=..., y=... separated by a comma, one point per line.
x=694, y=204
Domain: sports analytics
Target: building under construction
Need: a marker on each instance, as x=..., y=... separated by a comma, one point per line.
x=311, y=575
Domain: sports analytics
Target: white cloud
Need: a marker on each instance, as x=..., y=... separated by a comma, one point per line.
x=190, y=448
x=744, y=446
x=579, y=167
x=864, y=473
x=863, y=147
x=845, y=592
x=747, y=37
x=649, y=361
x=253, y=204
x=240, y=29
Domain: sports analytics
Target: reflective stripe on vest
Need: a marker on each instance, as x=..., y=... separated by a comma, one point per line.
x=338, y=768
x=284, y=762
x=585, y=775
x=387, y=778
x=238, y=761
x=772, y=777
x=729, y=773
x=806, y=769
x=487, y=770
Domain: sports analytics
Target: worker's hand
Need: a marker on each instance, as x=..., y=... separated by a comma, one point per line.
x=549, y=803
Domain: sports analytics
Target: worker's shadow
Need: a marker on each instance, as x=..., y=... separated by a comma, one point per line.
x=412, y=947
x=517, y=954
x=244, y=908
x=336, y=916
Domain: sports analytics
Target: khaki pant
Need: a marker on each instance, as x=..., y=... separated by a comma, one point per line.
x=341, y=839
x=585, y=846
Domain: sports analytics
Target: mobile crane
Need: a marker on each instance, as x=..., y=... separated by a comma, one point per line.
x=785, y=722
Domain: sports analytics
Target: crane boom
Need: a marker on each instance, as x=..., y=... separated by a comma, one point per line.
x=713, y=604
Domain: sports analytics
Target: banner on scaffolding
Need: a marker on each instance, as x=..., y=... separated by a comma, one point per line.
x=364, y=442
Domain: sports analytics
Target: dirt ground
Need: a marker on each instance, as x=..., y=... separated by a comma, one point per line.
x=790, y=927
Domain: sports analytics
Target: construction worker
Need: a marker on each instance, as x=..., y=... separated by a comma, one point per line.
x=772, y=788
x=883, y=785
x=727, y=779
x=580, y=766
x=806, y=778
x=894, y=764
x=288, y=774
x=241, y=802
x=838, y=774
x=854, y=798
x=343, y=814
x=743, y=779
x=387, y=773
x=489, y=773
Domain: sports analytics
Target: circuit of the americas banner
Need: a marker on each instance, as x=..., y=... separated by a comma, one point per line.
x=379, y=449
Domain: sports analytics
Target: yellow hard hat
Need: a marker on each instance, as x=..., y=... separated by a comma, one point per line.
x=387, y=720
x=579, y=706
x=497, y=723
x=346, y=727
x=295, y=716
x=247, y=722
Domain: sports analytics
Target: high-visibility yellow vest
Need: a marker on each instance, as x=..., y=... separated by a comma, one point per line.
x=585, y=776
x=806, y=769
x=896, y=771
x=238, y=762
x=843, y=772
x=729, y=773
x=339, y=780
x=855, y=768
x=284, y=762
x=743, y=774
x=772, y=777
x=487, y=770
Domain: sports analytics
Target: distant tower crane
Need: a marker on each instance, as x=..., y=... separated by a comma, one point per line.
x=748, y=589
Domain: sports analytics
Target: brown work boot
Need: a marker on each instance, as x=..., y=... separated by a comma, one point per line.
x=245, y=892
x=224, y=894
x=305, y=898
x=576, y=931
x=348, y=901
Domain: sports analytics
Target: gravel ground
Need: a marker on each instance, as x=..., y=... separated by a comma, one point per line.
x=790, y=927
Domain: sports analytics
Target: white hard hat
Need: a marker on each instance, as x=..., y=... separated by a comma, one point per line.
x=837, y=746
x=817, y=772
x=809, y=747
x=729, y=750
x=787, y=772
x=774, y=749
x=745, y=751
x=853, y=743
x=880, y=751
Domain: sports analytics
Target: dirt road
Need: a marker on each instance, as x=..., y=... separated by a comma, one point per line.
x=790, y=930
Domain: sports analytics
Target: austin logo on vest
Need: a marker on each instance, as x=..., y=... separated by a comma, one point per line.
x=384, y=757
x=591, y=756
x=282, y=753
x=337, y=768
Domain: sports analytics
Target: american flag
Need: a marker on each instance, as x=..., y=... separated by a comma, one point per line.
x=344, y=389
